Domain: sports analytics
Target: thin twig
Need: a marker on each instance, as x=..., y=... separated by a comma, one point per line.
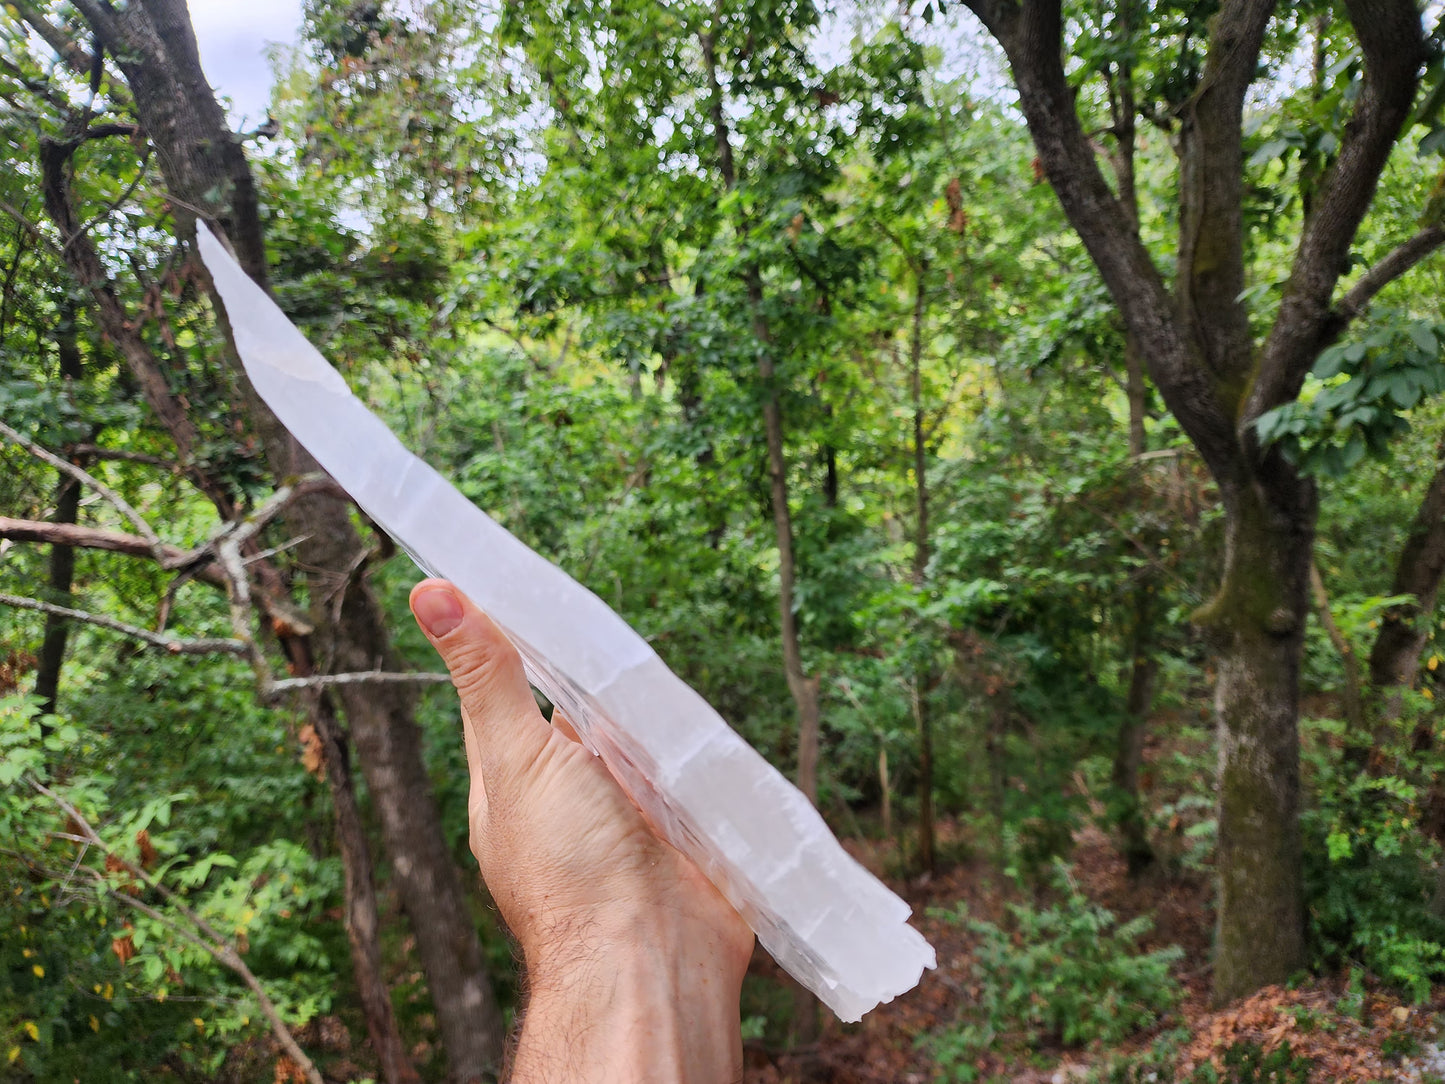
x=83, y=476
x=361, y=677
x=97, y=452
x=174, y=645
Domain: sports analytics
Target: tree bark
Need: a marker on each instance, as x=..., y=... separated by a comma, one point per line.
x=206, y=171
x=62, y=557
x=1257, y=622
x=923, y=677
x=1395, y=656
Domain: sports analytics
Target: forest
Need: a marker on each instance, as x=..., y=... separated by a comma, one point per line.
x=1021, y=419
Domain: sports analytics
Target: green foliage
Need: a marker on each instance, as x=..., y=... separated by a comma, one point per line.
x=1247, y=1063
x=1369, y=869
x=1065, y=972
x=1362, y=392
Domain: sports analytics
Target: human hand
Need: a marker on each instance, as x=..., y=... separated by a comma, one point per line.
x=635, y=961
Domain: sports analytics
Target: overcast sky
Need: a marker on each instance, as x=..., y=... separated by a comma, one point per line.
x=233, y=37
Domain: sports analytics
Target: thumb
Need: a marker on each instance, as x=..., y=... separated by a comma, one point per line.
x=504, y=730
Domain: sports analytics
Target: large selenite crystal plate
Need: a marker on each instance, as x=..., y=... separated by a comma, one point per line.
x=825, y=919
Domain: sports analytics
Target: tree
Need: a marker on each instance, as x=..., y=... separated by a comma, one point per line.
x=1219, y=378
x=206, y=172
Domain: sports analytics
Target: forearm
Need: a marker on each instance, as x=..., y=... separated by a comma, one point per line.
x=649, y=1006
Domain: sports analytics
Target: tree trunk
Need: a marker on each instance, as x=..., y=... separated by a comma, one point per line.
x=62, y=558
x=1258, y=621
x=804, y=689
x=363, y=926
x=1350, y=698
x=205, y=168
x=1129, y=753
x=923, y=677
x=1395, y=656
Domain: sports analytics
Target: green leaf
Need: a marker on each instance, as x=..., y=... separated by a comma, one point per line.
x=1422, y=334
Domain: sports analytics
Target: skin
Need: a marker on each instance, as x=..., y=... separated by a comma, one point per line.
x=635, y=961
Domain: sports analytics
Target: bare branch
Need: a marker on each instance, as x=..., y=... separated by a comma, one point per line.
x=66, y=48
x=95, y=451
x=363, y=677
x=171, y=644
x=80, y=474
x=1399, y=260
x=95, y=538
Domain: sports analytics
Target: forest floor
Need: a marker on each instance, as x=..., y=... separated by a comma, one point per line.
x=1347, y=1035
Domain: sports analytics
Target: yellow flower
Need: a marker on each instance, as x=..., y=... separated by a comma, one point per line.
x=94, y=1024
x=14, y=1054
x=39, y=971
x=32, y=1030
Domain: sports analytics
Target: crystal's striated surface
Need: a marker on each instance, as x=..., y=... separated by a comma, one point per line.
x=825, y=919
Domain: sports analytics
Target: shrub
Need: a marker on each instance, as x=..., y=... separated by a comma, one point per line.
x=1066, y=971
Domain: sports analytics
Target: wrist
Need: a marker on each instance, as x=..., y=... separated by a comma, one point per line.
x=644, y=998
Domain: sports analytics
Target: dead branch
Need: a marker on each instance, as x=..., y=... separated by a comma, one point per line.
x=83, y=476
x=363, y=677
x=173, y=645
x=96, y=538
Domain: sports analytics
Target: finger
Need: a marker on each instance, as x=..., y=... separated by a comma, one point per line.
x=506, y=732
x=563, y=726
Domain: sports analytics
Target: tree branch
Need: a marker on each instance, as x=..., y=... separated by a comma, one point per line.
x=362, y=677
x=1210, y=256
x=67, y=49
x=1032, y=38
x=95, y=538
x=83, y=476
x=1399, y=260
x=1393, y=43
x=95, y=451
x=171, y=644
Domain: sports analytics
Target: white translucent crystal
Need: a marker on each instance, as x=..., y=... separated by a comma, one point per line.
x=826, y=920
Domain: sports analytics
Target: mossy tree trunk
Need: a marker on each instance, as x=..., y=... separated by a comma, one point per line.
x=1218, y=378
x=1257, y=622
